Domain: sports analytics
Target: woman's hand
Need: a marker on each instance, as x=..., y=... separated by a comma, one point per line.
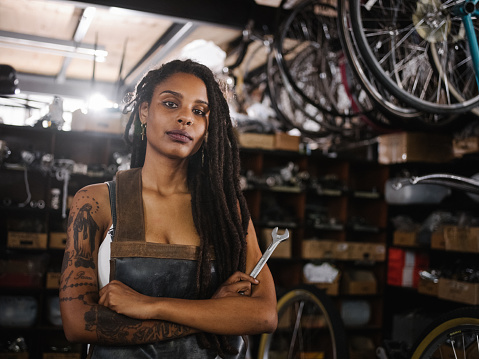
x=125, y=300
x=237, y=284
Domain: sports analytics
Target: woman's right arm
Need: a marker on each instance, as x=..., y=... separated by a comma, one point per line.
x=84, y=320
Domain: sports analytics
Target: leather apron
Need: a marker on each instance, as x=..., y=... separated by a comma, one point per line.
x=153, y=269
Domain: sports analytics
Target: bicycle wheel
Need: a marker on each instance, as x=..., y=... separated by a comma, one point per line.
x=395, y=114
x=292, y=112
x=310, y=33
x=455, y=335
x=395, y=37
x=309, y=326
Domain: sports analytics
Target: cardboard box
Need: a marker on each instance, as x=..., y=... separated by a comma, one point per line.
x=283, y=250
x=437, y=239
x=257, y=140
x=359, y=282
x=61, y=356
x=14, y=355
x=456, y=291
x=366, y=251
x=57, y=240
x=465, y=146
x=285, y=142
x=408, y=239
x=414, y=147
x=332, y=249
x=377, y=251
x=358, y=251
x=361, y=347
x=330, y=288
x=53, y=280
x=428, y=287
x=473, y=238
x=26, y=240
x=460, y=239
x=341, y=250
x=317, y=249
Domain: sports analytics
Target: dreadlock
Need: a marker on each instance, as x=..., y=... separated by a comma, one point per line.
x=213, y=180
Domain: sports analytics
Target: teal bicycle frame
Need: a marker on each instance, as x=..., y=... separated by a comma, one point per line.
x=468, y=10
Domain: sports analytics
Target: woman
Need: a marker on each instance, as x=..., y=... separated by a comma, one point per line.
x=182, y=237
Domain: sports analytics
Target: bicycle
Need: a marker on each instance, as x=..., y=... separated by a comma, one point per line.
x=309, y=326
x=322, y=101
x=396, y=114
x=422, y=52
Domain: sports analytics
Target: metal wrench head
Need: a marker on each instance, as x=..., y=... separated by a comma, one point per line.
x=279, y=238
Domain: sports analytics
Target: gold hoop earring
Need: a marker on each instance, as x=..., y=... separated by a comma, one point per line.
x=143, y=130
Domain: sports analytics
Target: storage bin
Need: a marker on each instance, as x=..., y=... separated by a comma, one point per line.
x=17, y=311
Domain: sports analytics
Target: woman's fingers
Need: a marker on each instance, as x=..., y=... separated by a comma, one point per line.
x=240, y=276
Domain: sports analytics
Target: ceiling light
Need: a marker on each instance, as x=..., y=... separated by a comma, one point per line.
x=52, y=46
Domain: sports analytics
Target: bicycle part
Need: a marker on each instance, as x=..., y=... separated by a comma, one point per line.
x=277, y=239
x=309, y=326
x=454, y=335
x=394, y=39
x=311, y=30
x=291, y=115
x=395, y=114
x=445, y=179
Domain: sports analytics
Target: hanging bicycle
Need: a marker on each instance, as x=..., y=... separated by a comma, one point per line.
x=422, y=52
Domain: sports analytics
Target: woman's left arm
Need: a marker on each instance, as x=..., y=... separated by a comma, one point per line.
x=240, y=306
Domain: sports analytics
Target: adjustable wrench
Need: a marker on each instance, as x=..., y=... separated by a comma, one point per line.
x=277, y=239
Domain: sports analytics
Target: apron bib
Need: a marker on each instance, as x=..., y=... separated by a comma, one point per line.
x=153, y=269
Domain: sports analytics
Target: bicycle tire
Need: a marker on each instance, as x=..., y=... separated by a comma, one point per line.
x=321, y=332
x=460, y=326
x=287, y=112
x=413, y=67
x=392, y=113
x=312, y=28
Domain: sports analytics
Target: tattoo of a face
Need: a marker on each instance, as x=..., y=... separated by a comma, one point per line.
x=84, y=231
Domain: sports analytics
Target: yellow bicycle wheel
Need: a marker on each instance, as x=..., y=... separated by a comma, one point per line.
x=309, y=327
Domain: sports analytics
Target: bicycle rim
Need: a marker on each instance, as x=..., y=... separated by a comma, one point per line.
x=453, y=338
x=309, y=326
x=395, y=113
x=291, y=115
x=394, y=39
x=311, y=30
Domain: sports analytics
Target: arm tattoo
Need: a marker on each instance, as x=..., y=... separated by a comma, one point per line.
x=115, y=329
x=84, y=231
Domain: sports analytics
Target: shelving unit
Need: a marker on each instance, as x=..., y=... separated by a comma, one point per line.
x=338, y=201
x=31, y=243
x=423, y=307
x=331, y=200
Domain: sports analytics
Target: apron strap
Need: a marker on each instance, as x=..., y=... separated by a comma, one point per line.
x=130, y=225
x=112, y=191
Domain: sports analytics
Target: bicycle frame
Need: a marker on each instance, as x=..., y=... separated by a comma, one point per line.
x=467, y=11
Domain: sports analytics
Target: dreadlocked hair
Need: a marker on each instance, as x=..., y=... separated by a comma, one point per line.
x=219, y=208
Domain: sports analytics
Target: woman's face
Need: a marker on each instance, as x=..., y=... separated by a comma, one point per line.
x=177, y=117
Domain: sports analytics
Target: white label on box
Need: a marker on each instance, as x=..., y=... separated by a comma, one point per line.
x=407, y=277
x=409, y=259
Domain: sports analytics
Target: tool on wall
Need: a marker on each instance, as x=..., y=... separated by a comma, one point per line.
x=63, y=169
